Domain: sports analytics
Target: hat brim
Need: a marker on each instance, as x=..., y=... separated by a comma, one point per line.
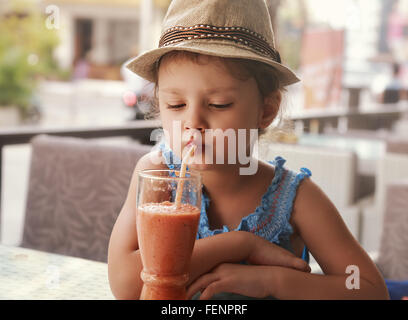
x=144, y=65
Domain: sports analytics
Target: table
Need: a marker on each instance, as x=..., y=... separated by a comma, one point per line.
x=373, y=118
x=27, y=274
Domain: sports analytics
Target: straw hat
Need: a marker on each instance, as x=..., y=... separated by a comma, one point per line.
x=223, y=28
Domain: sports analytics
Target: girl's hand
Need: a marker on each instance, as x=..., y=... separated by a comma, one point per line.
x=251, y=281
x=264, y=252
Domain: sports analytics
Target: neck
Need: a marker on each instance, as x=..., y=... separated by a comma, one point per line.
x=225, y=180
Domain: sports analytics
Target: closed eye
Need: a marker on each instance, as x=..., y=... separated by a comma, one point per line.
x=221, y=106
x=217, y=106
x=176, y=106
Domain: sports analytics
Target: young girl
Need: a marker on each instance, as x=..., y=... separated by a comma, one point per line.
x=216, y=69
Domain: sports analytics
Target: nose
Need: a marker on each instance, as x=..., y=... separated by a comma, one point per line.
x=195, y=119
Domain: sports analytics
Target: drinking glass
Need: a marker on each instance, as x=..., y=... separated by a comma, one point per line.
x=166, y=230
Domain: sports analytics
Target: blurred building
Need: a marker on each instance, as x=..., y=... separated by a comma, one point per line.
x=397, y=31
x=363, y=29
x=105, y=33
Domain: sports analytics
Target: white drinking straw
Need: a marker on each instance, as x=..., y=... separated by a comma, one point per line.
x=180, y=185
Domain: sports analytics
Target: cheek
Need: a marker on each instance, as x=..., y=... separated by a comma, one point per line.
x=167, y=118
x=247, y=118
x=167, y=124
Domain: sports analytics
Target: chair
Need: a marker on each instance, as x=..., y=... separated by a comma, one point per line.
x=391, y=167
x=333, y=170
x=393, y=254
x=397, y=144
x=76, y=190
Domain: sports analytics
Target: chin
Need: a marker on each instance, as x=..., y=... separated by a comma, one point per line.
x=199, y=166
x=198, y=163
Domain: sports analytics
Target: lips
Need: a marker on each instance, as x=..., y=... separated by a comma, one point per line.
x=195, y=142
x=200, y=147
x=191, y=143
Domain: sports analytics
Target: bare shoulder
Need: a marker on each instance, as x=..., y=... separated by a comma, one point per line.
x=312, y=206
x=124, y=231
x=310, y=194
x=152, y=160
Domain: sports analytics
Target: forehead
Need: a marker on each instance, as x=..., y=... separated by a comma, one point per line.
x=185, y=65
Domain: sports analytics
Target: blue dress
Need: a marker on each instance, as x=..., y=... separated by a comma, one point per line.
x=270, y=220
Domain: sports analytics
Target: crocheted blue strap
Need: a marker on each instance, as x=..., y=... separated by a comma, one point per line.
x=306, y=171
x=172, y=161
x=305, y=255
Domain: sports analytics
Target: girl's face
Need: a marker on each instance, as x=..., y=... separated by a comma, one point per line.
x=202, y=96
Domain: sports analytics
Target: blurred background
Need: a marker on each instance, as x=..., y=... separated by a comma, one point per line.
x=61, y=69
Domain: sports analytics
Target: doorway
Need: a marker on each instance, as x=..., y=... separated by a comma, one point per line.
x=83, y=38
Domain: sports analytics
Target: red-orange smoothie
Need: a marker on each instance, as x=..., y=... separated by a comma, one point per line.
x=166, y=236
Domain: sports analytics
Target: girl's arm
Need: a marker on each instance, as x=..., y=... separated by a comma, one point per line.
x=124, y=261
x=291, y=284
x=338, y=253
x=349, y=272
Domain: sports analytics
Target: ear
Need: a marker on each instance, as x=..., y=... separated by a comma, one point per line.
x=271, y=105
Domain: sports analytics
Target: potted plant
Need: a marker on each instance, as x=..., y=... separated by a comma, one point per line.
x=26, y=47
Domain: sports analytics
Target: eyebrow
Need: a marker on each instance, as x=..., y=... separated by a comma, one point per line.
x=211, y=91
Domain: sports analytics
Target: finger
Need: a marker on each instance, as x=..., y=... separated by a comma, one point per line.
x=200, y=283
x=284, y=258
x=214, y=288
x=274, y=255
x=288, y=259
x=301, y=265
x=298, y=264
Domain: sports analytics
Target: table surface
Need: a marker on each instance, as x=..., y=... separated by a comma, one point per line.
x=27, y=274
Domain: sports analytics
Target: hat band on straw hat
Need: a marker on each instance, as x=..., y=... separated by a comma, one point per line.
x=235, y=34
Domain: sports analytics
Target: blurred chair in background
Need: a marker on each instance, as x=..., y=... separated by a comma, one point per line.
x=333, y=170
x=393, y=253
x=76, y=190
x=392, y=166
